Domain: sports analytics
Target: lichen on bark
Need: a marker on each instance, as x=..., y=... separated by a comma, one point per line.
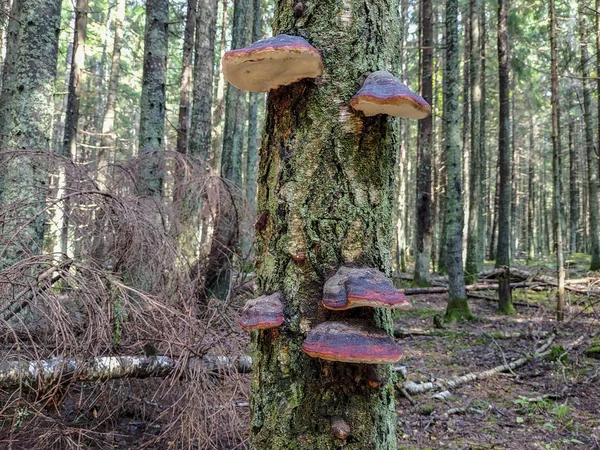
x=326, y=189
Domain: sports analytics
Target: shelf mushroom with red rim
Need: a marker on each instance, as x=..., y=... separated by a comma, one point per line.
x=351, y=341
x=263, y=312
x=353, y=287
x=271, y=63
x=383, y=93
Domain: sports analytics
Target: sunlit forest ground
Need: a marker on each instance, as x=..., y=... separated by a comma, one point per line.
x=550, y=403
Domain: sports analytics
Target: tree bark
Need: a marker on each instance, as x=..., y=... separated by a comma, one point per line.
x=457, y=308
x=530, y=190
x=186, y=76
x=27, y=123
x=236, y=101
x=153, y=102
x=206, y=23
x=69, y=147
x=326, y=186
x=423, y=225
x=473, y=262
x=217, y=143
x=592, y=158
x=557, y=218
x=574, y=174
x=107, y=141
x=504, y=158
x=484, y=183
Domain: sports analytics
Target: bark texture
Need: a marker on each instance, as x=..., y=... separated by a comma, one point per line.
x=423, y=224
x=153, y=103
x=457, y=307
x=326, y=183
x=107, y=142
x=206, y=23
x=236, y=100
x=504, y=159
x=557, y=210
x=27, y=120
x=473, y=263
x=592, y=159
x=186, y=76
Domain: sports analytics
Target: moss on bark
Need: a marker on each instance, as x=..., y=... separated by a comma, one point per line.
x=457, y=310
x=326, y=183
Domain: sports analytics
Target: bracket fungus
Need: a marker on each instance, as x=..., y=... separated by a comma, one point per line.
x=263, y=312
x=383, y=93
x=271, y=63
x=351, y=341
x=353, y=287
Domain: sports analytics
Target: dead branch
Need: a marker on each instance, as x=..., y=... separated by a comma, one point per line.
x=418, y=388
x=47, y=372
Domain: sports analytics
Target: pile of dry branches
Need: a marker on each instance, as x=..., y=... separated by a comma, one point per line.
x=119, y=274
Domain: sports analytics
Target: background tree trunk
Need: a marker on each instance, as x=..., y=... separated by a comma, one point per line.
x=108, y=141
x=423, y=225
x=153, y=103
x=236, y=100
x=27, y=122
x=475, y=193
x=592, y=159
x=556, y=171
x=504, y=158
x=457, y=308
x=186, y=77
x=326, y=188
x=206, y=27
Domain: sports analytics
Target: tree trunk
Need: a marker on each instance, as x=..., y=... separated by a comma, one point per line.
x=107, y=141
x=235, y=101
x=153, y=102
x=206, y=23
x=530, y=190
x=592, y=158
x=217, y=143
x=457, y=308
x=503, y=250
x=484, y=182
x=69, y=147
x=574, y=173
x=326, y=186
x=186, y=76
x=423, y=225
x=27, y=123
x=475, y=173
x=557, y=216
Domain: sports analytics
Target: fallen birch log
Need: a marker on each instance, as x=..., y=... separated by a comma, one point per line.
x=469, y=288
x=44, y=372
x=418, y=388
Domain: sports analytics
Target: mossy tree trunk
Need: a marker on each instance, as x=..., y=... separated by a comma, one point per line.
x=153, y=102
x=457, y=308
x=326, y=191
x=592, y=159
x=186, y=76
x=473, y=263
x=423, y=223
x=236, y=104
x=206, y=28
x=27, y=122
x=504, y=160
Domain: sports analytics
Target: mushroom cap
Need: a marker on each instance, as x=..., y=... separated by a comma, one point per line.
x=263, y=312
x=352, y=341
x=383, y=93
x=270, y=63
x=353, y=287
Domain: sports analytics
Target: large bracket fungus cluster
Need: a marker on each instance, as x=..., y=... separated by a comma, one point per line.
x=281, y=61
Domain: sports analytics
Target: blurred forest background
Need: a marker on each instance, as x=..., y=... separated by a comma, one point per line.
x=128, y=197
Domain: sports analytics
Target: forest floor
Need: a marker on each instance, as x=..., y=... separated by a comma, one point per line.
x=549, y=403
